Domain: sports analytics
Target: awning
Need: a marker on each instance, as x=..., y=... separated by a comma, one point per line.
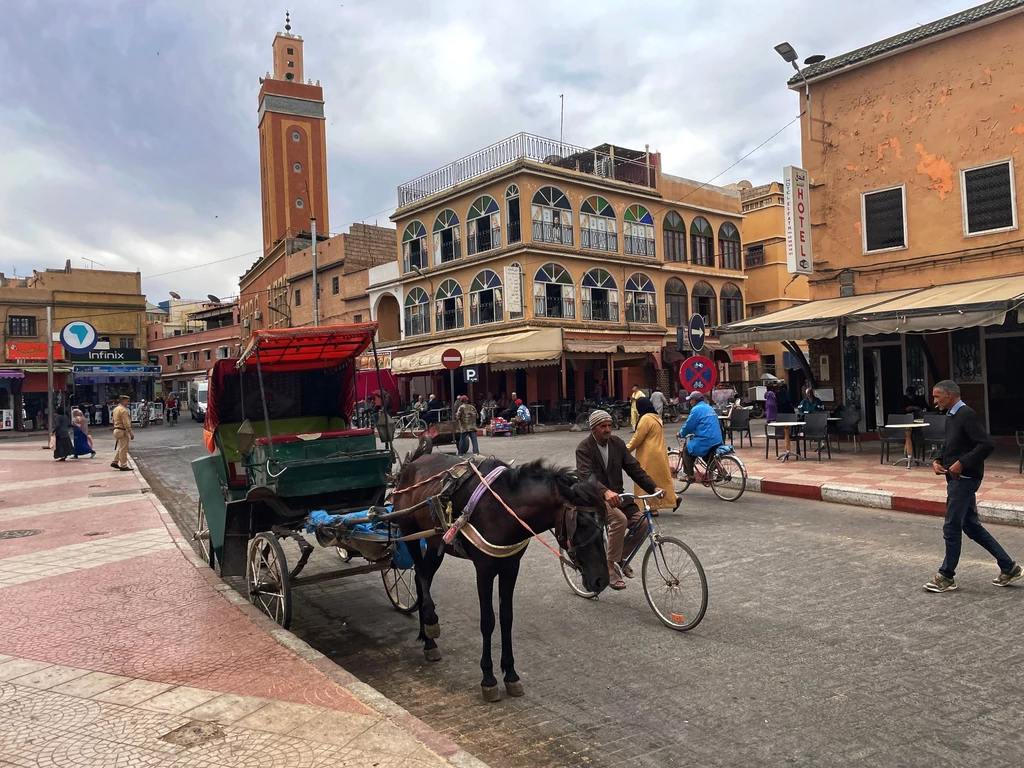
x=745, y=355
x=100, y=373
x=37, y=382
x=942, y=308
x=308, y=348
x=634, y=347
x=533, y=347
x=12, y=375
x=813, y=320
x=592, y=347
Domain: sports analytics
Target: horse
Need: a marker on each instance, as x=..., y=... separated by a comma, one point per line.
x=542, y=497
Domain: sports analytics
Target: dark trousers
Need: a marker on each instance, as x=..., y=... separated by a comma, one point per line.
x=961, y=518
x=464, y=441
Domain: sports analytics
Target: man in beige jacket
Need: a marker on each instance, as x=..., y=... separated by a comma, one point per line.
x=123, y=433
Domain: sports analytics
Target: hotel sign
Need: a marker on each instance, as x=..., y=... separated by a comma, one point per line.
x=797, y=198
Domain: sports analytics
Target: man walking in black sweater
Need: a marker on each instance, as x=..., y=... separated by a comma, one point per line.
x=963, y=463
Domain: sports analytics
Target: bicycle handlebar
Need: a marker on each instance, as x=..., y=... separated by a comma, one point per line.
x=633, y=496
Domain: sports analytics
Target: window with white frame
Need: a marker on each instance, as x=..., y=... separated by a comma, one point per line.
x=884, y=219
x=598, y=226
x=485, y=301
x=641, y=304
x=483, y=225
x=554, y=294
x=638, y=231
x=989, y=198
x=599, y=296
x=448, y=307
x=551, y=214
x=447, y=237
x=513, y=215
x=414, y=247
x=417, y=312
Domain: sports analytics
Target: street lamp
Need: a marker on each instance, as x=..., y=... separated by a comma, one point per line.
x=789, y=55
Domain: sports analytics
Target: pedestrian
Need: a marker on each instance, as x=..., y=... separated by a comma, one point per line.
x=83, y=440
x=602, y=458
x=649, y=445
x=771, y=405
x=467, y=418
x=635, y=395
x=785, y=403
x=963, y=463
x=62, y=445
x=659, y=402
x=123, y=433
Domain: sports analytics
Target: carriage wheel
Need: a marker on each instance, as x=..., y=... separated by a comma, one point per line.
x=202, y=536
x=400, y=585
x=266, y=577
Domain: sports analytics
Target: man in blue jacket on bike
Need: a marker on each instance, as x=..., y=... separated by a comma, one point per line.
x=702, y=423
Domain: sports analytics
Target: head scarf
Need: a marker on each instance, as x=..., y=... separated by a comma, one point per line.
x=78, y=419
x=644, y=405
x=599, y=417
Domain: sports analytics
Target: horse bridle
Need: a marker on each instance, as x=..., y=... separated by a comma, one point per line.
x=568, y=519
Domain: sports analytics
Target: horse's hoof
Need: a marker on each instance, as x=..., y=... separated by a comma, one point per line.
x=433, y=631
x=490, y=693
x=432, y=654
x=514, y=689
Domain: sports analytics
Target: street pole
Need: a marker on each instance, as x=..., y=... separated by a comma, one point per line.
x=451, y=373
x=316, y=288
x=49, y=366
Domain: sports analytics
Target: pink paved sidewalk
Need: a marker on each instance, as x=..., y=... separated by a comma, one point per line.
x=109, y=593
x=859, y=478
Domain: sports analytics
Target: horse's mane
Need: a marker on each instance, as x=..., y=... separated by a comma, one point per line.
x=560, y=479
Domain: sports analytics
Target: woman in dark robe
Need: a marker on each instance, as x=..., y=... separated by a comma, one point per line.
x=785, y=403
x=62, y=445
x=83, y=443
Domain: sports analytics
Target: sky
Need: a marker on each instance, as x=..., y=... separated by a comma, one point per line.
x=128, y=131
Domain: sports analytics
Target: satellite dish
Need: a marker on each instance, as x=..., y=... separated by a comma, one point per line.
x=813, y=59
x=174, y=294
x=213, y=298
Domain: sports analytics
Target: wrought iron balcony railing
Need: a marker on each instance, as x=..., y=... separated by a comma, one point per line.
x=559, y=234
x=638, y=246
x=597, y=240
x=559, y=308
x=600, y=310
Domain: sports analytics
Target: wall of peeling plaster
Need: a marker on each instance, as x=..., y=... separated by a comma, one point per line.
x=917, y=119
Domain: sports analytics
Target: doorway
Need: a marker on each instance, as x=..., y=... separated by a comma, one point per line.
x=1005, y=371
x=883, y=383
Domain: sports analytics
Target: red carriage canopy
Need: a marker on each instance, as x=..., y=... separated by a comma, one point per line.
x=297, y=349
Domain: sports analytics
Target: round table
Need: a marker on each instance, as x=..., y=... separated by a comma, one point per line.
x=785, y=428
x=909, y=442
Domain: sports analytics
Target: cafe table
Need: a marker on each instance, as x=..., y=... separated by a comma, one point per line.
x=785, y=428
x=909, y=442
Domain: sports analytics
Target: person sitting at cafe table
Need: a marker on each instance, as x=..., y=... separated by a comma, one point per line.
x=913, y=402
x=811, y=402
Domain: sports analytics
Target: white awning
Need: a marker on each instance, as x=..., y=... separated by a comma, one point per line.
x=533, y=347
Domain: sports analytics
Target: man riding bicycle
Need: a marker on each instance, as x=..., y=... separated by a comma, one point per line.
x=706, y=434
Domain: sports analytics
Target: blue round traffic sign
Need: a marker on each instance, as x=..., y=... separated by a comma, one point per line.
x=696, y=331
x=698, y=374
x=78, y=337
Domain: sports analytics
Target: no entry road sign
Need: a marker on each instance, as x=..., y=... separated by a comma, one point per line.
x=698, y=374
x=451, y=359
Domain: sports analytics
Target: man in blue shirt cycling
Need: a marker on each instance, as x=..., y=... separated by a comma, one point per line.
x=702, y=423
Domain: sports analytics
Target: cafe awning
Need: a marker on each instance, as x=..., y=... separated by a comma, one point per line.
x=527, y=347
x=591, y=347
x=942, y=308
x=813, y=320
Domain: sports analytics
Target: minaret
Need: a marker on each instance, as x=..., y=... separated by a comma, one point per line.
x=293, y=145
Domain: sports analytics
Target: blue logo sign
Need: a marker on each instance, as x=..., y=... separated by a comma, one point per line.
x=696, y=331
x=78, y=336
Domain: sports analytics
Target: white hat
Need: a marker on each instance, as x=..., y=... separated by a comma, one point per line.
x=599, y=417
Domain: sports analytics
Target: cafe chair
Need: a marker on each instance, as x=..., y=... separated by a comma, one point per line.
x=778, y=433
x=887, y=440
x=1020, y=444
x=933, y=437
x=740, y=422
x=849, y=425
x=816, y=432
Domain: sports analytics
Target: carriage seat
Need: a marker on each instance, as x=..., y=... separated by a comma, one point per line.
x=307, y=436
x=226, y=438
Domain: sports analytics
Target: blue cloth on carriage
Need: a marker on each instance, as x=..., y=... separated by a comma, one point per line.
x=724, y=449
x=401, y=558
x=320, y=517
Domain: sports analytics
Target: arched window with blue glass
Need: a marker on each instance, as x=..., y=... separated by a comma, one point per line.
x=729, y=246
x=704, y=303
x=447, y=237
x=485, y=303
x=599, y=295
x=417, y=312
x=731, y=300
x=449, y=311
x=554, y=293
x=674, y=232
x=641, y=300
x=483, y=225
x=638, y=231
x=677, y=309
x=414, y=247
x=599, y=229
x=551, y=213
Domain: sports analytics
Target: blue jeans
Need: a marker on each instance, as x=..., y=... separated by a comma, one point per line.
x=464, y=439
x=961, y=518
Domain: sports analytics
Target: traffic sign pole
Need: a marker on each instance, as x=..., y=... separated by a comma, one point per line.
x=451, y=374
x=451, y=359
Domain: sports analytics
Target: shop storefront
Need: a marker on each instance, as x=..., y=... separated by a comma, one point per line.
x=9, y=379
x=97, y=387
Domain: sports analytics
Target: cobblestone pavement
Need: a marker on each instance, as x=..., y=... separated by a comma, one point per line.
x=819, y=646
x=115, y=649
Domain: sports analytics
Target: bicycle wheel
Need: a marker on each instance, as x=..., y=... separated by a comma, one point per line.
x=675, y=466
x=583, y=420
x=728, y=477
x=574, y=578
x=418, y=427
x=674, y=583
x=673, y=415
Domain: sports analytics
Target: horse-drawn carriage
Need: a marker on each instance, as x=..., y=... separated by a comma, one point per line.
x=284, y=459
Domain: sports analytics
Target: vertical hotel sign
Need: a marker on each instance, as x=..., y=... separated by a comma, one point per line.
x=797, y=198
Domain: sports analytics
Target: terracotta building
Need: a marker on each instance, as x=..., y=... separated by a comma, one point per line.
x=277, y=290
x=560, y=272
x=213, y=333
x=109, y=300
x=912, y=147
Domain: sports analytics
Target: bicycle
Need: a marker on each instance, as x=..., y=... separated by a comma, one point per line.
x=671, y=574
x=410, y=422
x=587, y=407
x=723, y=473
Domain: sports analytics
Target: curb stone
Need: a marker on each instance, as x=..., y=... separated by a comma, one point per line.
x=366, y=694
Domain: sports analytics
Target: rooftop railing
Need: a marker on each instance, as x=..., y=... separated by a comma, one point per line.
x=525, y=146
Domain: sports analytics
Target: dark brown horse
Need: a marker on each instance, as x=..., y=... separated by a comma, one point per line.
x=541, y=496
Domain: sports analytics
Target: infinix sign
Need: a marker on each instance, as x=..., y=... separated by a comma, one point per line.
x=126, y=355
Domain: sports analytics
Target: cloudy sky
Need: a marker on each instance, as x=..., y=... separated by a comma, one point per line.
x=128, y=127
